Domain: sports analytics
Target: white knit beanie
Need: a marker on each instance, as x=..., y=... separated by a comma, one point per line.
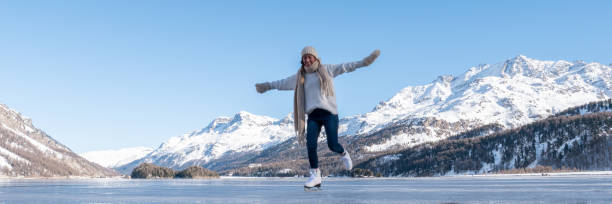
x=310, y=50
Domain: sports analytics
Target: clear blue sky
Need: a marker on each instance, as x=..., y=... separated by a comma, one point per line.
x=111, y=74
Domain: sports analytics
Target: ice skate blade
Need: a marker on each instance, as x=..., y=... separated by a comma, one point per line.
x=312, y=189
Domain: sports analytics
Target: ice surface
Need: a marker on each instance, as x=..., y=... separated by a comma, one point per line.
x=459, y=189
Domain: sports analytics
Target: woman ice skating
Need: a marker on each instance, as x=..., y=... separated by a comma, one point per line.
x=315, y=95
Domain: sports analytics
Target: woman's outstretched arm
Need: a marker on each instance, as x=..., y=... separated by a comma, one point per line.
x=337, y=69
x=283, y=84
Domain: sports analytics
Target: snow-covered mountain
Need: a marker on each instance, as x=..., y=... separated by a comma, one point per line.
x=30, y=152
x=576, y=138
x=117, y=157
x=510, y=93
x=244, y=132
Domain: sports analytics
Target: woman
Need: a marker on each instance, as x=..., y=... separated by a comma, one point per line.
x=314, y=95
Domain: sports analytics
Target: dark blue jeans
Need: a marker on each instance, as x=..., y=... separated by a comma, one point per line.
x=316, y=119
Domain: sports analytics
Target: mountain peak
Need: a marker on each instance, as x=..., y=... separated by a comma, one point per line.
x=521, y=57
x=220, y=124
x=287, y=119
x=580, y=62
x=217, y=121
x=522, y=65
x=245, y=116
x=240, y=116
x=243, y=113
x=518, y=61
x=444, y=78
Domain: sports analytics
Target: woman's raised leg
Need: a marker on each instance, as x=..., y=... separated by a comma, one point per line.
x=331, y=129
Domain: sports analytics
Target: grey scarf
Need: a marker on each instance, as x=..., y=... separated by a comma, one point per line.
x=299, y=98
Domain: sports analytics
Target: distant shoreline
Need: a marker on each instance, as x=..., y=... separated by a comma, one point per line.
x=578, y=173
x=575, y=173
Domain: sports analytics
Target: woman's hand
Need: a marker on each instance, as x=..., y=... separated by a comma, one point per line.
x=262, y=87
x=370, y=59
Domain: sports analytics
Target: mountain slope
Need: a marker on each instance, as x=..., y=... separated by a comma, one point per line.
x=580, y=138
x=28, y=151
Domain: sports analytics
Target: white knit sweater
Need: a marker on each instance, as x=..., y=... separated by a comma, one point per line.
x=312, y=88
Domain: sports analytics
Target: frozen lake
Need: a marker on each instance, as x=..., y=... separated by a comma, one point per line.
x=461, y=189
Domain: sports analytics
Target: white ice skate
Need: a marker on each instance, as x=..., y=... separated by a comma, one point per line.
x=346, y=159
x=314, y=182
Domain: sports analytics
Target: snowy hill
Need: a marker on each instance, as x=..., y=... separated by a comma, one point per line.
x=118, y=157
x=511, y=93
x=30, y=152
x=244, y=132
x=579, y=138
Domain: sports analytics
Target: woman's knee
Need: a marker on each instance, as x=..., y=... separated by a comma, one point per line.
x=335, y=146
